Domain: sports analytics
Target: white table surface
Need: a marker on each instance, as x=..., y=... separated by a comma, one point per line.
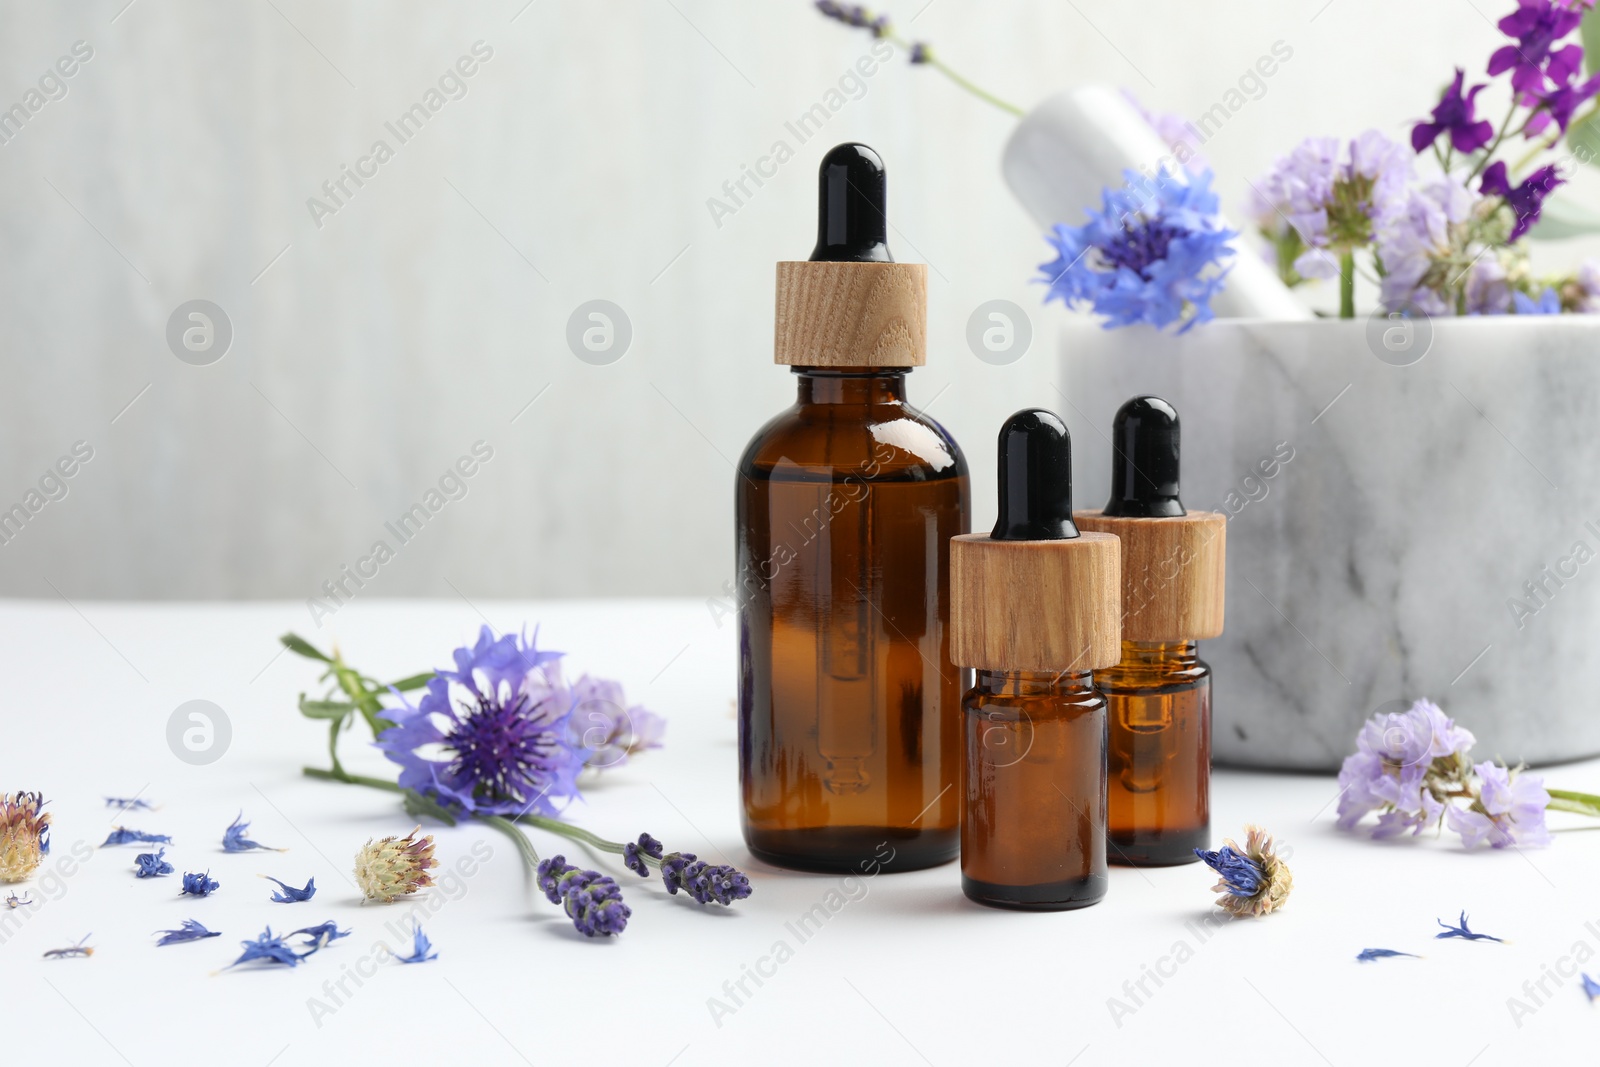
x=907, y=971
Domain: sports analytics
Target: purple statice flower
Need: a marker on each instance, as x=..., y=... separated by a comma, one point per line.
x=288, y=894
x=1581, y=292
x=1333, y=197
x=79, y=949
x=1463, y=931
x=199, y=885
x=634, y=853
x=151, y=865
x=1456, y=116
x=1176, y=132
x=1488, y=288
x=703, y=882
x=234, y=839
x=1367, y=955
x=1591, y=988
x=269, y=948
x=1526, y=199
x=1396, y=753
x=592, y=900
x=189, y=931
x=1539, y=26
x=605, y=728
x=502, y=721
x=1549, y=303
x=124, y=836
x=421, y=947
x=1152, y=254
x=1509, y=810
x=1415, y=244
x=321, y=935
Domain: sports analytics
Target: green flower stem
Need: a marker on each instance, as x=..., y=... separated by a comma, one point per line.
x=1551, y=141
x=1347, y=285
x=937, y=64
x=525, y=847
x=1500, y=135
x=1577, y=803
x=340, y=775
x=578, y=833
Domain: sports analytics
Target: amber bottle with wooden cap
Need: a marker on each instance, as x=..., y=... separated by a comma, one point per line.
x=1035, y=611
x=846, y=503
x=1159, y=695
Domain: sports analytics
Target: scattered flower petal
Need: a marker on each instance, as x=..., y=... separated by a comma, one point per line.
x=80, y=949
x=14, y=902
x=288, y=894
x=24, y=834
x=320, y=936
x=1255, y=881
x=269, y=948
x=421, y=947
x=234, y=839
x=1590, y=987
x=199, y=885
x=1367, y=955
x=151, y=864
x=1463, y=931
x=189, y=931
x=124, y=836
x=129, y=804
x=394, y=867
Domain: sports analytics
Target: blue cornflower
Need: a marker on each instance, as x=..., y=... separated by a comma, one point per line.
x=1255, y=879
x=1463, y=931
x=129, y=804
x=1153, y=254
x=199, y=885
x=633, y=854
x=151, y=865
x=234, y=839
x=288, y=894
x=1549, y=303
x=1591, y=987
x=321, y=935
x=124, y=836
x=270, y=948
x=703, y=882
x=421, y=947
x=189, y=931
x=1367, y=955
x=592, y=900
x=501, y=720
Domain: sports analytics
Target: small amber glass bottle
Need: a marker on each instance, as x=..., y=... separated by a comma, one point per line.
x=1159, y=694
x=848, y=735
x=1035, y=611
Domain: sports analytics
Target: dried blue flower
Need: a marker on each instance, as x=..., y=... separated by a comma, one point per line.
x=1369, y=954
x=1591, y=987
x=269, y=948
x=703, y=882
x=421, y=947
x=633, y=855
x=592, y=900
x=14, y=902
x=1242, y=874
x=321, y=936
x=124, y=836
x=151, y=865
x=189, y=931
x=234, y=839
x=129, y=804
x=1463, y=931
x=200, y=885
x=288, y=894
x=1255, y=879
x=80, y=949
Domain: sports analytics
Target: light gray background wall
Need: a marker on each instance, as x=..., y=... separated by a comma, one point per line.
x=370, y=353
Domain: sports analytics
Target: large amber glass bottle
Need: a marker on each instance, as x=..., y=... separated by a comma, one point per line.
x=846, y=503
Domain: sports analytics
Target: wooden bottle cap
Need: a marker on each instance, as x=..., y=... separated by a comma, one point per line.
x=1173, y=573
x=851, y=314
x=1035, y=605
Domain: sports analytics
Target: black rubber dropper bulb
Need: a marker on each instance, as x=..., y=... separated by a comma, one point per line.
x=1144, y=460
x=1035, y=479
x=852, y=198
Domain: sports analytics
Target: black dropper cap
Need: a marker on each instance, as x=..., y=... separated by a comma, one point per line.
x=852, y=195
x=1144, y=460
x=1035, y=479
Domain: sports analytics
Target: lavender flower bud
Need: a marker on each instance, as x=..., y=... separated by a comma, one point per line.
x=592, y=900
x=703, y=882
x=633, y=854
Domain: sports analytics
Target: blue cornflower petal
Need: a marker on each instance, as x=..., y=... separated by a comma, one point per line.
x=1367, y=955
x=129, y=804
x=1591, y=987
x=1242, y=874
x=151, y=865
x=189, y=931
x=234, y=839
x=1463, y=931
x=199, y=885
x=289, y=894
x=269, y=948
x=321, y=936
x=124, y=836
x=421, y=948
x=80, y=949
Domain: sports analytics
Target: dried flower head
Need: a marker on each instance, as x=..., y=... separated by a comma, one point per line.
x=1255, y=881
x=394, y=866
x=24, y=835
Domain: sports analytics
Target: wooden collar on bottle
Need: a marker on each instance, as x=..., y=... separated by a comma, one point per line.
x=1173, y=574
x=851, y=315
x=1035, y=605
